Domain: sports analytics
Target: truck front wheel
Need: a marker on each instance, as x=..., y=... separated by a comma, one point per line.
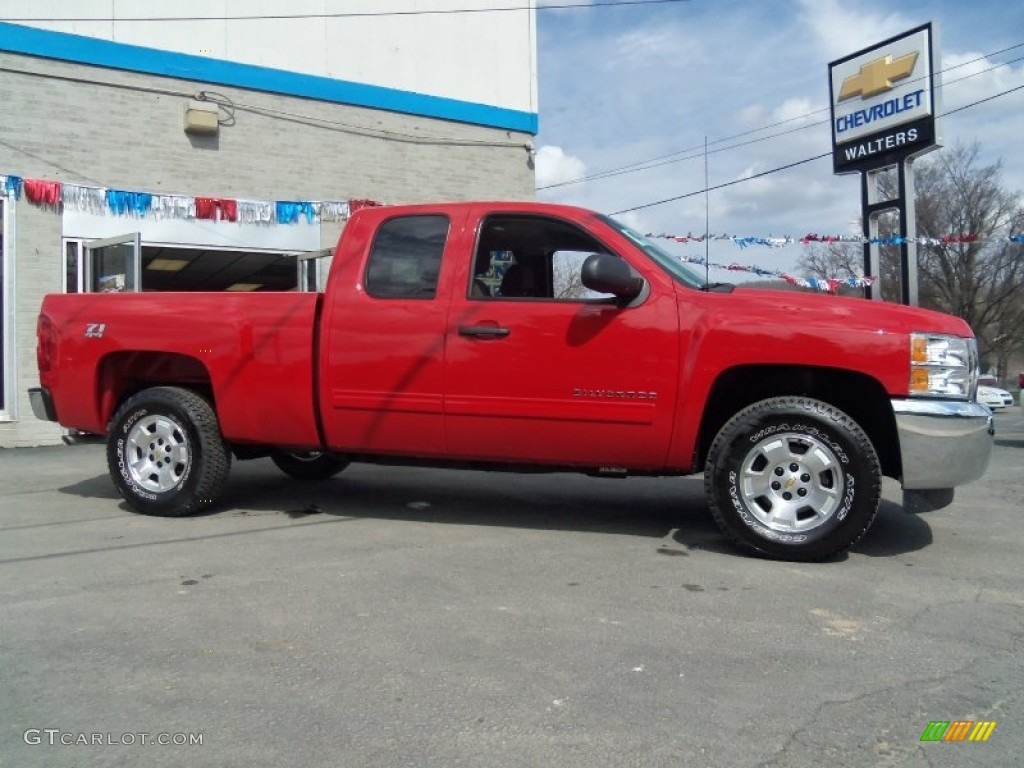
x=793, y=478
x=165, y=452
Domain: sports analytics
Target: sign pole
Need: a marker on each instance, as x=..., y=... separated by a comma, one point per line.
x=872, y=209
x=908, y=226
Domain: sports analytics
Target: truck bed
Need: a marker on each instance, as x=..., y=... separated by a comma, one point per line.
x=253, y=350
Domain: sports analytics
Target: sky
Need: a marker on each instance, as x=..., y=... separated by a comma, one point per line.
x=620, y=86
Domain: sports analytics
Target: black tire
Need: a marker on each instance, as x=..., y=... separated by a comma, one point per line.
x=793, y=478
x=309, y=465
x=166, y=454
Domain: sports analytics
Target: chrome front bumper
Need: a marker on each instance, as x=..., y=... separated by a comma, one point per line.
x=943, y=443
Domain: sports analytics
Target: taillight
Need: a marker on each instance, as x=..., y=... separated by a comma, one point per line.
x=44, y=343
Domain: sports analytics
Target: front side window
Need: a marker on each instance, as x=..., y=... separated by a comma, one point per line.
x=405, y=260
x=532, y=257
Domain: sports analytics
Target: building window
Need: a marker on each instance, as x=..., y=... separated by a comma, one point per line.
x=189, y=268
x=406, y=258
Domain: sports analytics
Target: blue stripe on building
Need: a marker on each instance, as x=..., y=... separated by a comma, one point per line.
x=133, y=58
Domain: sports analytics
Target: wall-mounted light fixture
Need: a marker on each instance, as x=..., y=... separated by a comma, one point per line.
x=202, y=118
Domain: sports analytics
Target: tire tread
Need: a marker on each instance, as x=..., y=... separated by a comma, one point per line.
x=853, y=432
x=213, y=462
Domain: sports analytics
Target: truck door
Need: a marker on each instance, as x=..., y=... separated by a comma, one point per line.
x=383, y=334
x=541, y=369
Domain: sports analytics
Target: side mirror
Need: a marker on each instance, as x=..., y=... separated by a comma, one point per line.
x=605, y=273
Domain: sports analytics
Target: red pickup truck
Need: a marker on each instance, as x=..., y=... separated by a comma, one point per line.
x=526, y=336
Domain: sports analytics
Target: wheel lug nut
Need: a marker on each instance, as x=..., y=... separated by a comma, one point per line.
x=776, y=485
x=794, y=467
x=805, y=478
x=787, y=496
x=779, y=471
x=801, y=492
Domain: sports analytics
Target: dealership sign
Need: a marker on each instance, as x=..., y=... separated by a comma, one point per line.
x=884, y=102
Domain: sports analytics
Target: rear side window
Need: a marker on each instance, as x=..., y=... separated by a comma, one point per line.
x=406, y=257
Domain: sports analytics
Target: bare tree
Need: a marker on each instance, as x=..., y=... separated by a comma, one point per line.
x=833, y=261
x=568, y=283
x=967, y=265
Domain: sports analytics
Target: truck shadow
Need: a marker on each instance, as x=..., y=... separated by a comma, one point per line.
x=99, y=487
x=894, y=533
x=1010, y=442
x=671, y=511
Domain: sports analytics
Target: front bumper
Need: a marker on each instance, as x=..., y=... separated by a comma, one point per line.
x=42, y=404
x=943, y=443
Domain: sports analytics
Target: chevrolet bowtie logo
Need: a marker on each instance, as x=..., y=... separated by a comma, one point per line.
x=877, y=76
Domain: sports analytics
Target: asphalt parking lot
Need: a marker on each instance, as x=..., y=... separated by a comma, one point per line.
x=413, y=617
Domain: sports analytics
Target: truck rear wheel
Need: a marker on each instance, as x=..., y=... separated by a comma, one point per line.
x=309, y=465
x=793, y=478
x=166, y=454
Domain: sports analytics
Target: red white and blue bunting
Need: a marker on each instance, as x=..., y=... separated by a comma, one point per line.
x=780, y=242
x=58, y=195
x=830, y=285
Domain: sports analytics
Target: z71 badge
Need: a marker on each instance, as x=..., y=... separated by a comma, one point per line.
x=95, y=330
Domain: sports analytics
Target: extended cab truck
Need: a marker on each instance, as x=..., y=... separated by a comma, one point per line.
x=524, y=337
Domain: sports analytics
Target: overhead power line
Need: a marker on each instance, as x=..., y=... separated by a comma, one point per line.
x=226, y=103
x=721, y=186
x=696, y=192
x=352, y=14
x=692, y=153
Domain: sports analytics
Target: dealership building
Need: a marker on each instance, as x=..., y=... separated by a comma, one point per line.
x=215, y=145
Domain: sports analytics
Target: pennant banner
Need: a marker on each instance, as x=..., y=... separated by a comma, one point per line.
x=102, y=201
x=830, y=285
x=779, y=242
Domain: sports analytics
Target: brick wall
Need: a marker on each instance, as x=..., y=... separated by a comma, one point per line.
x=34, y=276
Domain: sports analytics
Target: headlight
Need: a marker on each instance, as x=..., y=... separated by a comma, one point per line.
x=945, y=366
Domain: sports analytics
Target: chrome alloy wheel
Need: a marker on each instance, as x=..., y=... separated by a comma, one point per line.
x=791, y=482
x=157, y=453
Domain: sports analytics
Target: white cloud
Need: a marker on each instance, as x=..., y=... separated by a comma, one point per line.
x=841, y=28
x=618, y=88
x=553, y=166
x=797, y=110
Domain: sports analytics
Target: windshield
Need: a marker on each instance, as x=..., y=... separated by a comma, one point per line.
x=671, y=264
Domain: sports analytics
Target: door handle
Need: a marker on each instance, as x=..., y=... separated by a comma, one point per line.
x=483, y=331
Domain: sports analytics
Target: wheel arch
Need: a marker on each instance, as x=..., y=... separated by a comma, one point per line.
x=857, y=394
x=122, y=374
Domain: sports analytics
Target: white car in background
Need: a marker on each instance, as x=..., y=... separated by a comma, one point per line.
x=994, y=397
